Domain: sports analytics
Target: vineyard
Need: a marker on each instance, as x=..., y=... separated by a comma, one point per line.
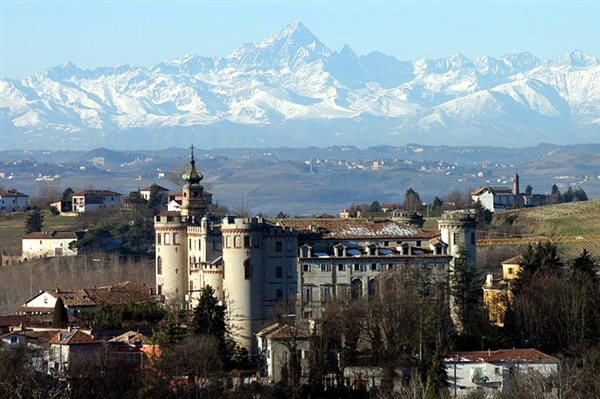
x=573, y=227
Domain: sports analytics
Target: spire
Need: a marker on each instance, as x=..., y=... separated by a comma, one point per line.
x=192, y=177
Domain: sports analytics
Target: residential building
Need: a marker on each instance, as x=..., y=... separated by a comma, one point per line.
x=493, y=371
x=163, y=193
x=49, y=244
x=70, y=346
x=274, y=344
x=88, y=200
x=78, y=300
x=497, y=293
x=13, y=201
x=131, y=348
x=254, y=264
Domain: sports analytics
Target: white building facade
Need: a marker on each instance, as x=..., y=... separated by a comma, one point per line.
x=13, y=201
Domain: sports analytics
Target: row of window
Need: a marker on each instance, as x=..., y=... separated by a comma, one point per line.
x=165, y=238
x=354, y=291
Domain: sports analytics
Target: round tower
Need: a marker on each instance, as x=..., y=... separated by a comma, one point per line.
x=460, y=230
x=410, y=218
x=171, y=262
x=192, y=204
x=242, y=264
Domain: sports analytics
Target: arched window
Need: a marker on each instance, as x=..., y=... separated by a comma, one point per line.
x=356, y=288
x=373, y=287
x=159, y=265
x=248, y=269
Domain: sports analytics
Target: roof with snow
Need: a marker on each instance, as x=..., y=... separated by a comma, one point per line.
x=356, y=228
x=501, y=355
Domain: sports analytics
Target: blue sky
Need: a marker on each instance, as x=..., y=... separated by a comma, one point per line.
x=36, y=35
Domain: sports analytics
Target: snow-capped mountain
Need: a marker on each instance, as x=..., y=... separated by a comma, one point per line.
x=290, y=89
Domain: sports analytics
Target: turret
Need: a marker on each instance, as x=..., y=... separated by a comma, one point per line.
x=459, y=229
x=192, y=205
x=171, y=263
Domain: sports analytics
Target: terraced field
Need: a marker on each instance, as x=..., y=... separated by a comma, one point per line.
x=573, y=227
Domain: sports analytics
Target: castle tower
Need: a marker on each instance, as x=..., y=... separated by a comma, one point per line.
x=459, y=230
x=171, y=263
x=243, y=276
x=192, y=206
x=172, y=244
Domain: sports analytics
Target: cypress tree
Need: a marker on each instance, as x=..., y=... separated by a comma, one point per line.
x=59, y=316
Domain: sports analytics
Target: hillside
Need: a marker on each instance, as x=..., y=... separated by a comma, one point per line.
x=574, y=225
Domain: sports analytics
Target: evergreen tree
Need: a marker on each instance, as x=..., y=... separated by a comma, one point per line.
x=580, y=194
x=464, y=290
x=155, y=197
x=209, y=317
x=482, y=214
x=437, y=377
x=34, y=221
x=584, y=265
x=375, y=207
x=67, y=195
x=528, y=189
x=59, y=316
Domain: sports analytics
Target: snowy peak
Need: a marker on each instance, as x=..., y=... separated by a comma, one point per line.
x=294, y=46
x=291, y=84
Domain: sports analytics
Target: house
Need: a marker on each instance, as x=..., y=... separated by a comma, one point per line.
x=78, y=300
x=497, y=293
x=131, y=348
x=162, y=192
x=70, y=346
x=88, y=200
x=274, y=345
x=498, y=198
x=495, y=370
x=13, y=201
x=49, y=244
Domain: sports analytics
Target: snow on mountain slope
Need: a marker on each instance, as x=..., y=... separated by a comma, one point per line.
x=292, y=76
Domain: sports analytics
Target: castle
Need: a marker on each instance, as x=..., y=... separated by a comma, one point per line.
x=254, y=264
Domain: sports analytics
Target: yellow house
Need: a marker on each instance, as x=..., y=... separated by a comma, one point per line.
x=497, y=294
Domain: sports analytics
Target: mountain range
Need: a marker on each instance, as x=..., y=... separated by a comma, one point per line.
x=291, y=90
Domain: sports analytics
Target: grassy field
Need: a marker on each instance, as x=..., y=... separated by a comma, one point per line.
x=574, y=226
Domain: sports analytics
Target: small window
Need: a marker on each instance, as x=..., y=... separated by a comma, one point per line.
x=248, y=266
x=176, y=239
x=373, y=266
x=237, y=242
x=325, y=267
x=159, y=290
x=278, y=272
x=159, y=265
x=341, y=267
x=306, y=268
x=356, y=267
x=325, y=294
x=510, y=271
x=455, y=239
x=167, y=239
x=278, y=246
x=279, y=294
x=45, y=299
x=246, y=241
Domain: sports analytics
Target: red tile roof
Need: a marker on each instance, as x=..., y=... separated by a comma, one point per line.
x=50, y=235
x=516, y=260
x=73, y=338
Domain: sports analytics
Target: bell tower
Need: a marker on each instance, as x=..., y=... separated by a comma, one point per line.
x=192, y=205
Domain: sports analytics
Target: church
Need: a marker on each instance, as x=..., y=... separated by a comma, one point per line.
x=254, y=264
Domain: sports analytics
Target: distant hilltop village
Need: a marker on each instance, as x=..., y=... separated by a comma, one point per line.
x=254, y=264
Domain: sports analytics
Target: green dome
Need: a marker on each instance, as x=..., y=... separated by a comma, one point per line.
x=192, y=176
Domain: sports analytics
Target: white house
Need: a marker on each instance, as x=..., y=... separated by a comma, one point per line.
x=87, y=200
x=495, y=370
x=274, y=343
x=48, y=244
x=13, y=201
x=147, y=191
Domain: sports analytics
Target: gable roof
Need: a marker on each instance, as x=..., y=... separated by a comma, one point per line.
x=73, y=338
x=502, y=355
x=516, y=260
x=12, y=193
x=493, y=190
x=95, y=193
x=115, y=294
x=149, y=188
x=278, y=332
x=132, y=338
x=356, y=228
x=53, y=235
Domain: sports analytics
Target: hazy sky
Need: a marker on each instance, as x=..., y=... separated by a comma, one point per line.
x=36, y=35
